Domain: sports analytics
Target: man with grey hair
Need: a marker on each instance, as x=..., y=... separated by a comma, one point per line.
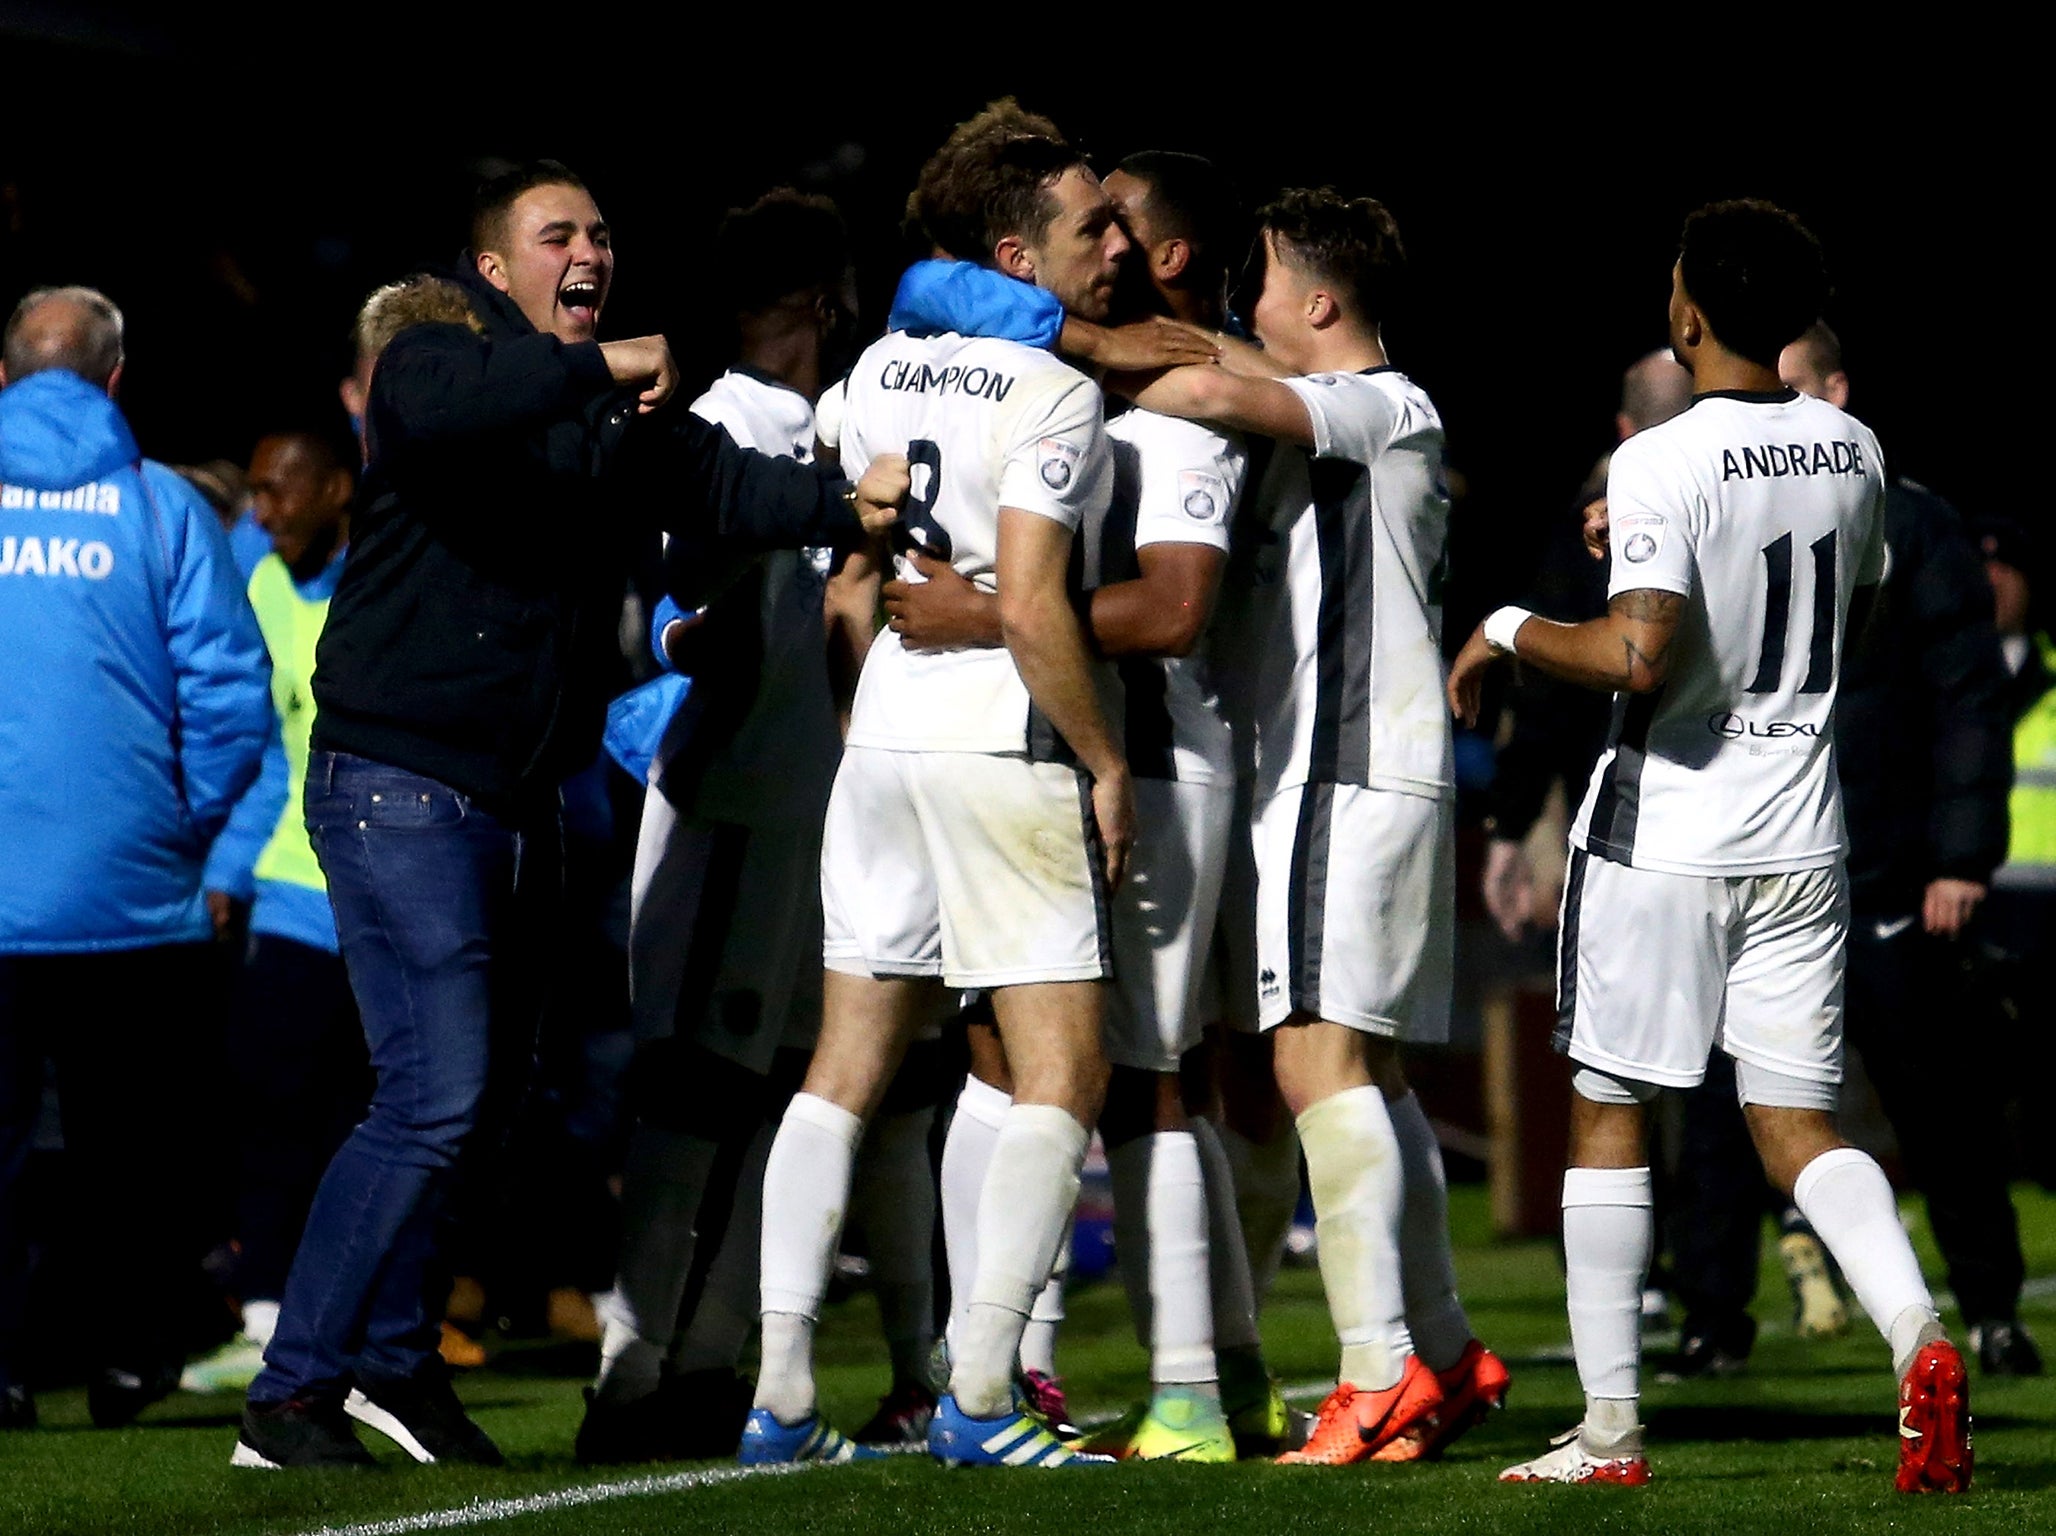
x=78, y=329
x=134, y=707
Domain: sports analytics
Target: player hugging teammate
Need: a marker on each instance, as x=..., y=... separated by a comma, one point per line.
x=1105, y=626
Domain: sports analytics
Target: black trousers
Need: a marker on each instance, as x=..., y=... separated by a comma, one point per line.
x=303, y=1076
x=1918, y=1027
x=127, y=1031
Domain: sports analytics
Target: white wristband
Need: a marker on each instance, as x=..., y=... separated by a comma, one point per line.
x=1501, y=625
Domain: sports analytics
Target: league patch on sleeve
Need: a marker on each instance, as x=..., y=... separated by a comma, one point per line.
x=1201, y=496
x=1056, y=461
x=1641, y=535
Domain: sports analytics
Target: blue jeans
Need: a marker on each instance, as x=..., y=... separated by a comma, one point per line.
x=424, y=885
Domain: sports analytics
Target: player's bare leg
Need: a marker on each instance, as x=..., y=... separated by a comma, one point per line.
x=1844, y=1195
x=867, y=1024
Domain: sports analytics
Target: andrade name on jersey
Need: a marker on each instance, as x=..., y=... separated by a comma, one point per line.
x=982, y=383
x=1774, y=459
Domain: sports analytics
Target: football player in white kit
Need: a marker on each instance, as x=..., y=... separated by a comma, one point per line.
x=1706, y=903
x=725, y=910
x=1156, y=565
x=1353, y=831
x=982, y=811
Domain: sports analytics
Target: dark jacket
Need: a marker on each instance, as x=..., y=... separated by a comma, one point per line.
x=1923, y=734
x=473, y=638
x=1559, y=729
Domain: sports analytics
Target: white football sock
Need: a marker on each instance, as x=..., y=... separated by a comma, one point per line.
x=1160, y=1240
x=718, y=1331
x=663, y=1178
x=1022, y=1217
x=894, y=1202
x=260, y=1321
x=1352, y=1164
x=1038, y=1350
x=806, y=1192
x=1434, y=1313
x=966, y=1158
x=1234, y=1291
x=1609, y=1229
x=1266, y=1195
x=1847, y=1198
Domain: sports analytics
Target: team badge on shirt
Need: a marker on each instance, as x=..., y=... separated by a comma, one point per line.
x=1201, y=496
x=1056, y=461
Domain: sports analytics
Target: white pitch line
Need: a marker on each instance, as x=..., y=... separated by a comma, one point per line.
x=484, y=1511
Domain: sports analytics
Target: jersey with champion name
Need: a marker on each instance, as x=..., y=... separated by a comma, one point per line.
x=1344, y=618
x=984, y=424
x=1766, y=512
x=1175, y=482
x=786, y=748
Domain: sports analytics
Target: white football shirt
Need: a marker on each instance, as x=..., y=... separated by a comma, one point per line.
x=1175, y=482
x=1343, y=621
x=1766, y=512
x=787, y=746
x=984, y=424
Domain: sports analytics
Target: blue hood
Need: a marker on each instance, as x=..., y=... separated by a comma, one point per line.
x=58, y=431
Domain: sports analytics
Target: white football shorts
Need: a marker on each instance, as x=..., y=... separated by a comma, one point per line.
x=1164, y=922
x=1654, y=970
x=724, y=932
x=1230, y=986
x=982, y=869
x=1356, y=909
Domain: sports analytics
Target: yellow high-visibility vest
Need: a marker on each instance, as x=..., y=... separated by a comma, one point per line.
x=291, y=625
x=2031, y=843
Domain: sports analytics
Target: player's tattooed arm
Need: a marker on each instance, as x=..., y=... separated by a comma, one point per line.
x=1627, y=651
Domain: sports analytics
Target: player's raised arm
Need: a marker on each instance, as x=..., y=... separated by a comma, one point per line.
x=1223, y=398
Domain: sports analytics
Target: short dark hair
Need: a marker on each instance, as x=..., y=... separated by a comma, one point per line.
x=502, y=187
x=785, y=243
x=1823, y=348
x=324, y=435
x=991, y=178
x=1191, y=199
x=1349, y=242
x=1756, y=273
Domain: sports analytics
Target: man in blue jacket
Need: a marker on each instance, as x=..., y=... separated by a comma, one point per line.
x=134, y=708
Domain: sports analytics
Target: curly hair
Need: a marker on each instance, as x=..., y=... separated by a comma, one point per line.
x=1349, y=242
x=991, y=178
x=1756, y=273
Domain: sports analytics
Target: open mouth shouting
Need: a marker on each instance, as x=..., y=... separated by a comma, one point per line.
x=580, y=299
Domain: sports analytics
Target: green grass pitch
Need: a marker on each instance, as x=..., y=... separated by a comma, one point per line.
x=1800, y=1445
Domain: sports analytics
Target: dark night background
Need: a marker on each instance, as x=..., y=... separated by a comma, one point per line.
x=237, y=185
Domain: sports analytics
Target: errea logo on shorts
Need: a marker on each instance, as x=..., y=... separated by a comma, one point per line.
x=1057, y=462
